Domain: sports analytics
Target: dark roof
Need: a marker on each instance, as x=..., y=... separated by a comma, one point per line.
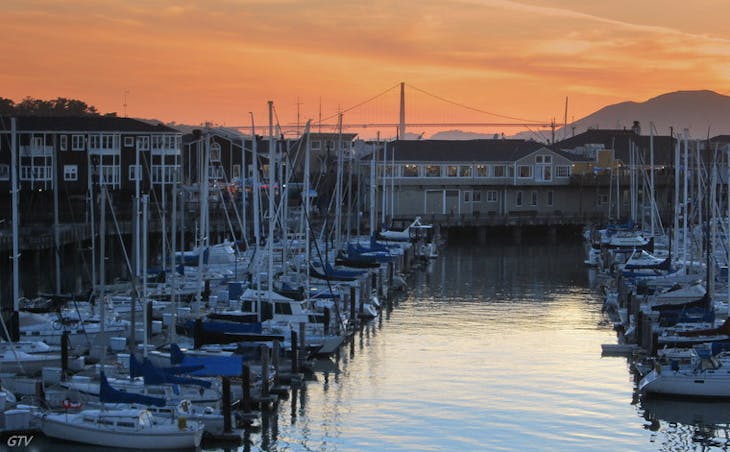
x=83, y=124
x=461, y=150
x=620, y=141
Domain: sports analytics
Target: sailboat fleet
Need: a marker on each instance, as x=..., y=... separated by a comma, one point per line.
x=666, y=288
x=158, y=361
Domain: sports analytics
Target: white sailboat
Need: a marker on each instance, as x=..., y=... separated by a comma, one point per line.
x=127, y=428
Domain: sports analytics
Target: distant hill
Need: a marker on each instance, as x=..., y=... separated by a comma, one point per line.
x=696, y=111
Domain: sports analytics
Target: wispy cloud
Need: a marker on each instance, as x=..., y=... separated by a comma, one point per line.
x=189, y=60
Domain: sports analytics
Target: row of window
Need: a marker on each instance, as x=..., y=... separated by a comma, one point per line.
x=540, y=171
x=472, y=196
x=107, y=141
x=109, y=173
x=329, y=145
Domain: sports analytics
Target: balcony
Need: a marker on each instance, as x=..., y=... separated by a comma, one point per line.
x=35, y=150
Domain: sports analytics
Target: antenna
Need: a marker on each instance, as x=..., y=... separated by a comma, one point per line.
x=565, y=119
x=126, y=91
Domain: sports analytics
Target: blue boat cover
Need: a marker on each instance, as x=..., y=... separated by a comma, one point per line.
x=107, y=394
x=213, y=366
x=226, y=327
x=154, y=375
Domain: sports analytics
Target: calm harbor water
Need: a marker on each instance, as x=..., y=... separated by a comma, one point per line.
x=495, y=347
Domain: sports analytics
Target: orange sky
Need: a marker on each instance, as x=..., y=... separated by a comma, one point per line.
x=192, y=62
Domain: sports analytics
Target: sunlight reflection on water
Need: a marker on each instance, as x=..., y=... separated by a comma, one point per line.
x=495, y=348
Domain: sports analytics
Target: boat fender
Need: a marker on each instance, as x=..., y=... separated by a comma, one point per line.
x=69, y=405
x=182, y=423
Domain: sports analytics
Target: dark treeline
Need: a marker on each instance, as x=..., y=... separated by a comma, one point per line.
x=60, y=106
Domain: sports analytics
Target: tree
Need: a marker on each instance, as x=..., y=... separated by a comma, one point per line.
x=60, y=106
x=7, y=106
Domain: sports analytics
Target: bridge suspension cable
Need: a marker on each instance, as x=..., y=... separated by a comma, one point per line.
x=459, y=104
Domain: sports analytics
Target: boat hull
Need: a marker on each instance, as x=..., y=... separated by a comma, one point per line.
x=55, y=426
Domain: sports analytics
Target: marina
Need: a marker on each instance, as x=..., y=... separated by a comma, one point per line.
x=473, y=335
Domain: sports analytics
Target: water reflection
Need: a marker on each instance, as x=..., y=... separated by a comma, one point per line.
x=495, y=347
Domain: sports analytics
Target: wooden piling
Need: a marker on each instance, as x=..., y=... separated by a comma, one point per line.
x=264, y=371
x=353, y=317
x=226, y=405
x=302, y=345
x=148, y=325
x=64, y=355
x=245, y=388
x=294, y=352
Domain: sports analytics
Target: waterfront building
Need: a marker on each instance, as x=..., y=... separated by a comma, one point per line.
x=84, y=151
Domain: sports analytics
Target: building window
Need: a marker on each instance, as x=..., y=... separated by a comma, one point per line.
x=524, y=171
x=534, y=198
x=562, y=171
x=143, y=143
x=433, y=171
x=236, y=171
x=164, y=174
x=101, y=141
x=164, y=142
x=451, y=170
x=216, y=172
x=602, y=199
x=316, y=145
x=465, y=171
x=499, y=171
x=467, y=196
x=133, y=171
x=64, y=142
x=518, y=199
x=549, y=198
x=77, y=142
x=215, y=152
x=4, y=171
x=476, y=196
x=128, y=142
x=492, y=196
x=543, y=159
x=482, y=171
x=70, y=172
x=511, y=171
x=410, y=170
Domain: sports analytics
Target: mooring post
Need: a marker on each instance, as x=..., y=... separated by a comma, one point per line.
x=275, y=361
x=246, y=389
x=264, y=371
x=353, y=317
x=294, y=352
x=226, y=405
x=64, y=355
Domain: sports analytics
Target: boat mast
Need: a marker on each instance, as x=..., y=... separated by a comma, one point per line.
x=56, y=225
x=102, y=258
x=272, y=219
x=16, y=223
x=145, y=246
x=651, y=176
x=373, y=188
x=684, y=204
x=173, y=247
x=307, y=201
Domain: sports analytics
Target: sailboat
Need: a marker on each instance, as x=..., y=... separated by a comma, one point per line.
x=134, y=428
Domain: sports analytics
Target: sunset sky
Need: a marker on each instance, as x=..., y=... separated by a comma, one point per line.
x=215, y=61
